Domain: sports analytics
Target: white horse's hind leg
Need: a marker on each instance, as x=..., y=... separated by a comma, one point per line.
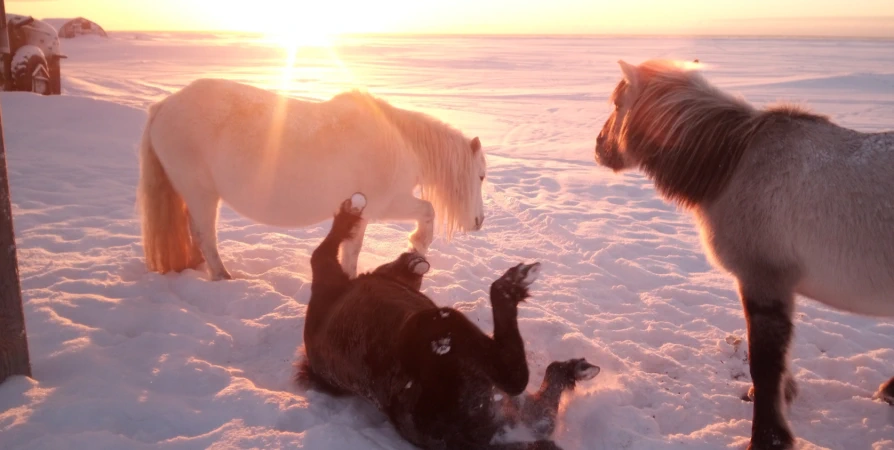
x=203, y=226
x=423, y=212
x=350, y=249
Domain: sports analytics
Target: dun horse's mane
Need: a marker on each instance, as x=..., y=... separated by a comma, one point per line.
x=690, y=136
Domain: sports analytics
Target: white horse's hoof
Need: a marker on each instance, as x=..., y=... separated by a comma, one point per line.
x=358, y=202
x=221, y=276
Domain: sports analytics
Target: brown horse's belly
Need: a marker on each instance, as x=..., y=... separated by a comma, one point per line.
x=356, y=348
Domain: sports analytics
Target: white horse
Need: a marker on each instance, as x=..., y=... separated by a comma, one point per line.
x=290, y=163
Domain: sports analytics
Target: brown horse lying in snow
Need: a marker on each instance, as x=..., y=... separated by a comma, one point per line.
x=442, y=382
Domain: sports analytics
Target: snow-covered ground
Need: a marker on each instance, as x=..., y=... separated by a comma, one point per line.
x=124, y=359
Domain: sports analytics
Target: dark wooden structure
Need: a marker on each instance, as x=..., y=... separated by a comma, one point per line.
x=14, y=359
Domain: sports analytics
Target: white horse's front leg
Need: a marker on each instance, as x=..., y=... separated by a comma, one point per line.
x=420, y=210
x=350, y=249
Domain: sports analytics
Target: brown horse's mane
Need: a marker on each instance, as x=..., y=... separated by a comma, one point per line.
x=689, y=136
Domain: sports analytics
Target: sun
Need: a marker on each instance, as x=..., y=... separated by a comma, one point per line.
x=294, y=26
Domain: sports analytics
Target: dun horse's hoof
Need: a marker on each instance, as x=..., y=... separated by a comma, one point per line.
x=771, y=438
x=774, y=445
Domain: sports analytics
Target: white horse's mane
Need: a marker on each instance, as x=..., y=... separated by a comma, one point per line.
x=445, y=158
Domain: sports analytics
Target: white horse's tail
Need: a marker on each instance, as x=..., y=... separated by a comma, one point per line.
x=167, y=242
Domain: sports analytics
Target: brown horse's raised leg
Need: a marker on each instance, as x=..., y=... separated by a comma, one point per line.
x=327, y=272
x=505, y=357
x=408, y=269
x=538, y=411
x=768, y=312
x=444, y=333
x=328, y=283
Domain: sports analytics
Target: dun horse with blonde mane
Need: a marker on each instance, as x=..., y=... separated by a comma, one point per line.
x=287, y=162
x=786, y=201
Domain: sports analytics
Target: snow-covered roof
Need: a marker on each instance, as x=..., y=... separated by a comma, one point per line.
x=69, y=28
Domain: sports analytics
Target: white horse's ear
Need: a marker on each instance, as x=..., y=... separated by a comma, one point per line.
x=631, y=72
x=476, y=144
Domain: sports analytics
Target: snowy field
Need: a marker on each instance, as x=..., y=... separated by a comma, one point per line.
x=124, y=359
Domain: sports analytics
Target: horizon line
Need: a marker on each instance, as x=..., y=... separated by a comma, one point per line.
x=538, y=35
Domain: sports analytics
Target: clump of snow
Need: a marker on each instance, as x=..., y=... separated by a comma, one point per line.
x=124, y=359
x=21, y=57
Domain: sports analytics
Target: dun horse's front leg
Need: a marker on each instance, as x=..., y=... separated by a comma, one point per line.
x=768, y=313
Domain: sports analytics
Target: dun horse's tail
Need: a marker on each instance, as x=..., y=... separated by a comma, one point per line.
x=167, y=243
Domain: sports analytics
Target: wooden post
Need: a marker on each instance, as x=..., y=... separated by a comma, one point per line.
x=5, y=50
x=14, y=359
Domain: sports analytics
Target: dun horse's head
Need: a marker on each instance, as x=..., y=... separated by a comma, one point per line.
x=655, y=104
x=610, y=148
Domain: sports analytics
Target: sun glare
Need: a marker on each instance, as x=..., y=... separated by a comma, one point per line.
x=298, y=25
x=293, y=39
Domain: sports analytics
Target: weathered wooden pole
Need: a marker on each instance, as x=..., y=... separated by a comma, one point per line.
x=14, y=359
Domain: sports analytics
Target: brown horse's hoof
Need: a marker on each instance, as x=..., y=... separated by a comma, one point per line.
x=418, y=265
x=355, y=204
x=886, y=392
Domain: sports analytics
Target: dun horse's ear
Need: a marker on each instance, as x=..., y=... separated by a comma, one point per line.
x=631, y=72
x=476, y=144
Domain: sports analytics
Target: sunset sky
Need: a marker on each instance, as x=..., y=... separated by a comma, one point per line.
x=308, y=18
